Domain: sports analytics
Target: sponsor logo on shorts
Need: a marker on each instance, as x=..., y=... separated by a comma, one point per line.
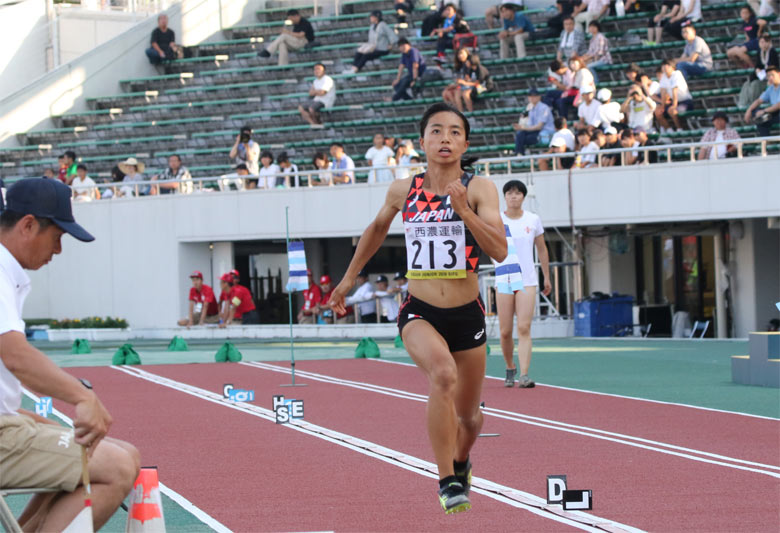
x=479, y=335
x=412, y=316
x=65, y=439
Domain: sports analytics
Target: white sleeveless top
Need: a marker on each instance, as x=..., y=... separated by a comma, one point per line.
x=524, y=230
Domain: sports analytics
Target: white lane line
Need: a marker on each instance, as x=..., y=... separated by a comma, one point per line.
x=188, y=506
x=584, y=391
x=679, y=451
x=504, y=494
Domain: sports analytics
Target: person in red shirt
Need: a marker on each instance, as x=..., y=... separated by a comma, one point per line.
x=311, y=298
x=203, y=304
x=225, y=285
x=347, y=317
x=241, y=304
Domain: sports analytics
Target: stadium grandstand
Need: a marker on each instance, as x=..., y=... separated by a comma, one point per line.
x=107, y=106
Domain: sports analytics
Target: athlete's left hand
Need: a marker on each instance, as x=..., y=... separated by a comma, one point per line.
x=547, y=287
x=458, y=197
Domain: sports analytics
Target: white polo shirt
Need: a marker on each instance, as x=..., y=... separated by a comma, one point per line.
x=14, y=288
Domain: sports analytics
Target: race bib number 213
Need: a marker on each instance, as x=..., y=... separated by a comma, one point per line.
x=435, y=250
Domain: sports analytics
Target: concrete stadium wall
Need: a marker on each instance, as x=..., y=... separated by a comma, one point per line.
x=146, y=247
x=25, y=36
x=97, y=72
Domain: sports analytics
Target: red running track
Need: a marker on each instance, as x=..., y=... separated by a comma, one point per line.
x=642, y=488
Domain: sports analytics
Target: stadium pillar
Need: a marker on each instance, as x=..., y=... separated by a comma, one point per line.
x=721, y=330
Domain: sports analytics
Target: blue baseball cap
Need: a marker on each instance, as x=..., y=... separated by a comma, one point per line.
x=46, y=198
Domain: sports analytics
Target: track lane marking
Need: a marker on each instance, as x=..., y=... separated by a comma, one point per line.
x=187, y=505
x=679, y=451
x=501, y=493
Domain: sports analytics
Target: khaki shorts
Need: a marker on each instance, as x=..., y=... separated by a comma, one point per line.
x=34, y=455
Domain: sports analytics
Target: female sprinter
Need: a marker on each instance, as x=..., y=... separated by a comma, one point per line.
x=448, y=215
x=527, y=231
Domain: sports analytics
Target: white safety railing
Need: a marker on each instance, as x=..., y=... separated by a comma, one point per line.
x=485, y=167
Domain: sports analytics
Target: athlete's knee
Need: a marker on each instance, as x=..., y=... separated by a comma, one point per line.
x=444, y=377
x=471, y=423
x=506, y=333
x=523, y=331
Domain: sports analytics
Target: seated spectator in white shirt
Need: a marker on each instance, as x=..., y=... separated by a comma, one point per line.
x=84, y=187
x=589, y=110
x=363, y=297
x=583, y=77
x=321, y=163
x=246, y=151
x=323, y=93
x=675, y=96
x=719, y=132
x=380, y=155
x=343, y=166
x=627, y=140
x=563, y=140
x=610, y=111
x=236, y=180
x=638, y=108
x=588, y=149
x=404, y=155
x=589, y=10
x=268, y=173
x=289, y=171
x=176, y=178
x=387, y=300
x=133, y=171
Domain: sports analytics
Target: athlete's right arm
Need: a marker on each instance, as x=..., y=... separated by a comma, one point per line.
x=372, y=238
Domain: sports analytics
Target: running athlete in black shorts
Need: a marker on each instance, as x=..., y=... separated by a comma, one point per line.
x=449, y=217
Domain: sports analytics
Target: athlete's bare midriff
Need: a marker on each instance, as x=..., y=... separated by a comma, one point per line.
x=446, y=292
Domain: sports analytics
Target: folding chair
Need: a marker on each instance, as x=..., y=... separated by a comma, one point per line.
x=7, y=518
x=699, y=326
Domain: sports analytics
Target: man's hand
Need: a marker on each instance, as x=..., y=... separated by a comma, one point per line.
x=395, y=82
x=91, y=423
x=758, y=113
x=517, y=127
x=747, y=116
x=458, y=197
x=162, y=54
x=503, y=34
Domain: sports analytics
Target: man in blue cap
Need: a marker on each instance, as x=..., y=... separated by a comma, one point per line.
x=538, y=127
x=36, y=452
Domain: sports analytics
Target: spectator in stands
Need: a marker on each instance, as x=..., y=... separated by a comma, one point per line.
x=627, y=140
x=269, y=171
x=611, y=141
x=364, y=298
x=517, y=28
x=583, y=77
x=476, y=81
x=565, y=9
x=434, y=20
x=387, y=300
x=451, y=24
x=588, y=149
x=404, y=156
x=768, y=117
x=325, y=312
x=321, y=163
x=403, y=9
x=116, y=177
x=675, y=96
x=246, y=151
x=163, y=47
x=49, y=173
x=62, y=169
x=493, y=13
x=598, y=50
x=689, y=12
x=289, y=172
x=588, y=11
x=638, y=108
x=562, y=93
x=753, y=28
x=650, y=86
x=640, y=134
x=632, y=72
x=301, y=35
x=236, y=180
x=311, y=300
x=562, y=141
x=460, y=70
x=67, y=169
x=406, y=86
x=174, y=178
x=203, y=307
x=537, y=128
x=610, y=111
x=656, y=24
x=343, y=166
x=323, y=94
x=572, y=41
x=84, y=188
x=380, y=155
x=697, y=58
x=589, y=110
x=719, y=132
x=416, y=167
x=401, y=284
x=133, y=171
x=765, y=8
x=381, y=39
x=756, y=83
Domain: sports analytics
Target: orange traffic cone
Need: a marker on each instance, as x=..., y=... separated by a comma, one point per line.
x=145, y=514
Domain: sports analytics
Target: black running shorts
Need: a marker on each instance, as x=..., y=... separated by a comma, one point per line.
x=461, y=327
